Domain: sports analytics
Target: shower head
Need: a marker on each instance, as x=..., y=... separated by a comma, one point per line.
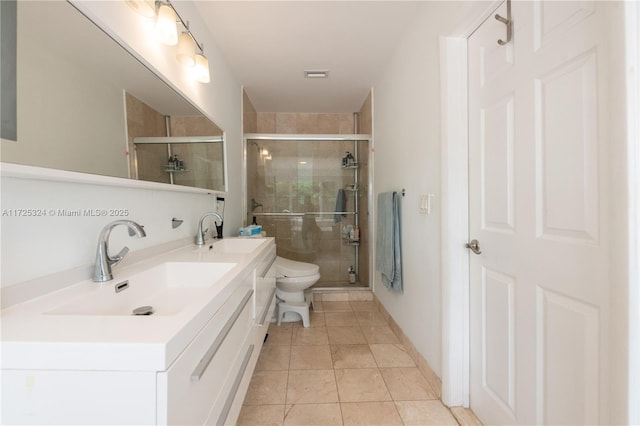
x=254, y=205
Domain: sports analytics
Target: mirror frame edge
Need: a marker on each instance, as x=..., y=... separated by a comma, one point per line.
x=12, y=170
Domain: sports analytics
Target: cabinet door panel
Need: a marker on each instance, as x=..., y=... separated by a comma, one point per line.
x=184, y=399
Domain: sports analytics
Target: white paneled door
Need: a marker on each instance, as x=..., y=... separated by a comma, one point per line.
x=539, y=297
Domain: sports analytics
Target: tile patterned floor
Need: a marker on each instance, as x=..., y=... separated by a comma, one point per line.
x=348, y=368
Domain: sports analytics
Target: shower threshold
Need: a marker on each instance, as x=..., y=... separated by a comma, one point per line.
x=339, y=285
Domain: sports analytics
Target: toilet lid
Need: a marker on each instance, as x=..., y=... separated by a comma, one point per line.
x=293, y=268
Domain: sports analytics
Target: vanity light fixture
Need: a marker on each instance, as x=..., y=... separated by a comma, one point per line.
x=189, y=53
x=186, y=50
x=166, y=25
x=202, y=68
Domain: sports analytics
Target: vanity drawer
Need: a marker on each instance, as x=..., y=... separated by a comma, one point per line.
x=228, y=413
x=265, y=287
x=200, y=376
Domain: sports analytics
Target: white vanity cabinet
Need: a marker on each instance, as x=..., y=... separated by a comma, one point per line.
x=205, y=383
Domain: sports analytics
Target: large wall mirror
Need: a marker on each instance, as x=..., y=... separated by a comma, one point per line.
x=85, y=104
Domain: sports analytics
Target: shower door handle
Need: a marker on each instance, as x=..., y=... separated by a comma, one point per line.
x=474, y=246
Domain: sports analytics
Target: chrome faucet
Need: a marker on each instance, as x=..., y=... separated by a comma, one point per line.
x=201, y=233
x=104, y=261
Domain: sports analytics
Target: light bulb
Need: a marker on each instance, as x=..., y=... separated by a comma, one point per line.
x=166, y=25
x=186, y=50
x=202, y=69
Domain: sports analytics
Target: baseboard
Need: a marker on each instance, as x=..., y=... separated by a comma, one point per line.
x=432, y=378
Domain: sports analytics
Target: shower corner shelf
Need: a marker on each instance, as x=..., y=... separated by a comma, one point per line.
x=168, y=170
x=351, y=242
x=351, y=166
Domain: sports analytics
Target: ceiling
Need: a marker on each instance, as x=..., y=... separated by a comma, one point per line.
x=269, y=44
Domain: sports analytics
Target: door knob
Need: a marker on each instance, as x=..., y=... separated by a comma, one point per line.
x=474, y=246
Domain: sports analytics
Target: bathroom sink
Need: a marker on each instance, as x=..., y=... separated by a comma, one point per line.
x=237, y=245
x=166, y=288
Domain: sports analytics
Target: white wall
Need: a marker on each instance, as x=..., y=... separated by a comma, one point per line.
x=407, y=155
x=55, y=240
x=37, y=246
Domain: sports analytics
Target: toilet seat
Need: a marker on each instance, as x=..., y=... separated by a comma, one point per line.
x=286, y=268
x=295, y=283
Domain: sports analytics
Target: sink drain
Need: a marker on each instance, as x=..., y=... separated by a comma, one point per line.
x=143, y=310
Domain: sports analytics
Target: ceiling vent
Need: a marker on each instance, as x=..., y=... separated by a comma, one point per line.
x=316, y=73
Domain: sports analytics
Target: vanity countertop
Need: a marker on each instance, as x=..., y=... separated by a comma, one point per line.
x=35, y=335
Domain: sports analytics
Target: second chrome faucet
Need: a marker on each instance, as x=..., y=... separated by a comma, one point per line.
x=201, y=231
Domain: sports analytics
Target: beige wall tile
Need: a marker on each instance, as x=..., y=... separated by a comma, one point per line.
x=194, y=126
x=286, y=123
x=249, y=115
x=266, y=122
x=306, y=123
x=365, y=116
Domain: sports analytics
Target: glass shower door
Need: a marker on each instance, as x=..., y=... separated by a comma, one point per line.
x=293, y=190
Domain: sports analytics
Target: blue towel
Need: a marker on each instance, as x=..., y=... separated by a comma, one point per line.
x=341, y=205
x=388, y=244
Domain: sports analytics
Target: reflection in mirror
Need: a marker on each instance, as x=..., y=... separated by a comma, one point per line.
x=82, y=98
x=184, y=150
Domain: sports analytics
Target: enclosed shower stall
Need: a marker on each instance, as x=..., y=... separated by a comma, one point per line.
x=311, y=192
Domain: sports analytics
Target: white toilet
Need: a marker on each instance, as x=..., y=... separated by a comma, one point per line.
x=292, y=279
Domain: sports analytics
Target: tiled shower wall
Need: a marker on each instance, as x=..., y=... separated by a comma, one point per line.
x=305, y=176
x=148, y=161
